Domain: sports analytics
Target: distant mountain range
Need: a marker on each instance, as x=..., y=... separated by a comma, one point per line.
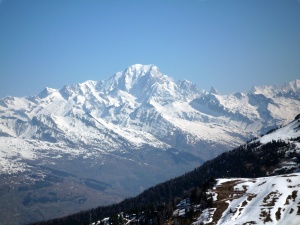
x=114, y=138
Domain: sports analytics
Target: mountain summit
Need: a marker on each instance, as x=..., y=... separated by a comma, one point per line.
x=137, y=124
x=134, y=77
x=144, y=82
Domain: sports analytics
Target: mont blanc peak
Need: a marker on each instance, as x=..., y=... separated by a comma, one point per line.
x=128, y=78
x=142, y=81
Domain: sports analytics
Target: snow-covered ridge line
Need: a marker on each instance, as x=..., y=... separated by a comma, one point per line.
x=266, y=200
x=271, y=90
x=290, y=131
x=140, y=108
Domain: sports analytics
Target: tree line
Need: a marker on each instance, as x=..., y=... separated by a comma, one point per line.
x=250, y=160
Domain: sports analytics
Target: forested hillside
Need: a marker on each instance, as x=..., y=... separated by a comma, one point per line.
x=250, y=160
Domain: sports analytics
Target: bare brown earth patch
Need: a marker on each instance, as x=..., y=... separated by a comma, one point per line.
x=291, y=175
x=294, y=195
x=265, y=215
x=290, y=186
x=278, y=214
x=225, y=192
x=287, y=201
x=245, y=187
x=244, y=203
x=262, y=183
x=251, y=196
x=271, y=198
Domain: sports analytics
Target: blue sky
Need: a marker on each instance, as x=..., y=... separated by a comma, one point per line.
x=229, y=44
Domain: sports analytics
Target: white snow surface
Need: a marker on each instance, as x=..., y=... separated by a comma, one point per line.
x=137, y=108
x=276, y=198
x=292, y=130
x=206, y=216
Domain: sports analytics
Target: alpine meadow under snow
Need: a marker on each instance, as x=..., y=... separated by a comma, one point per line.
x=102, y=141
x=267, y=200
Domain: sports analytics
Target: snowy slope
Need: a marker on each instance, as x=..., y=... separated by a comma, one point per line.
x=267, y=200
x=290, y=131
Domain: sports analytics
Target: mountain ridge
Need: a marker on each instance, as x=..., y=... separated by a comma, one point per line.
x=143, y=107
x=138, y=123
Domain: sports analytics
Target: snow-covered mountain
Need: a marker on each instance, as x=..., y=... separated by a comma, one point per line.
x=132, y=130
x=142, y=107
x=266, y=200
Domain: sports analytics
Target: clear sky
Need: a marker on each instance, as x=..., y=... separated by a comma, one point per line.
x=229, y=44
